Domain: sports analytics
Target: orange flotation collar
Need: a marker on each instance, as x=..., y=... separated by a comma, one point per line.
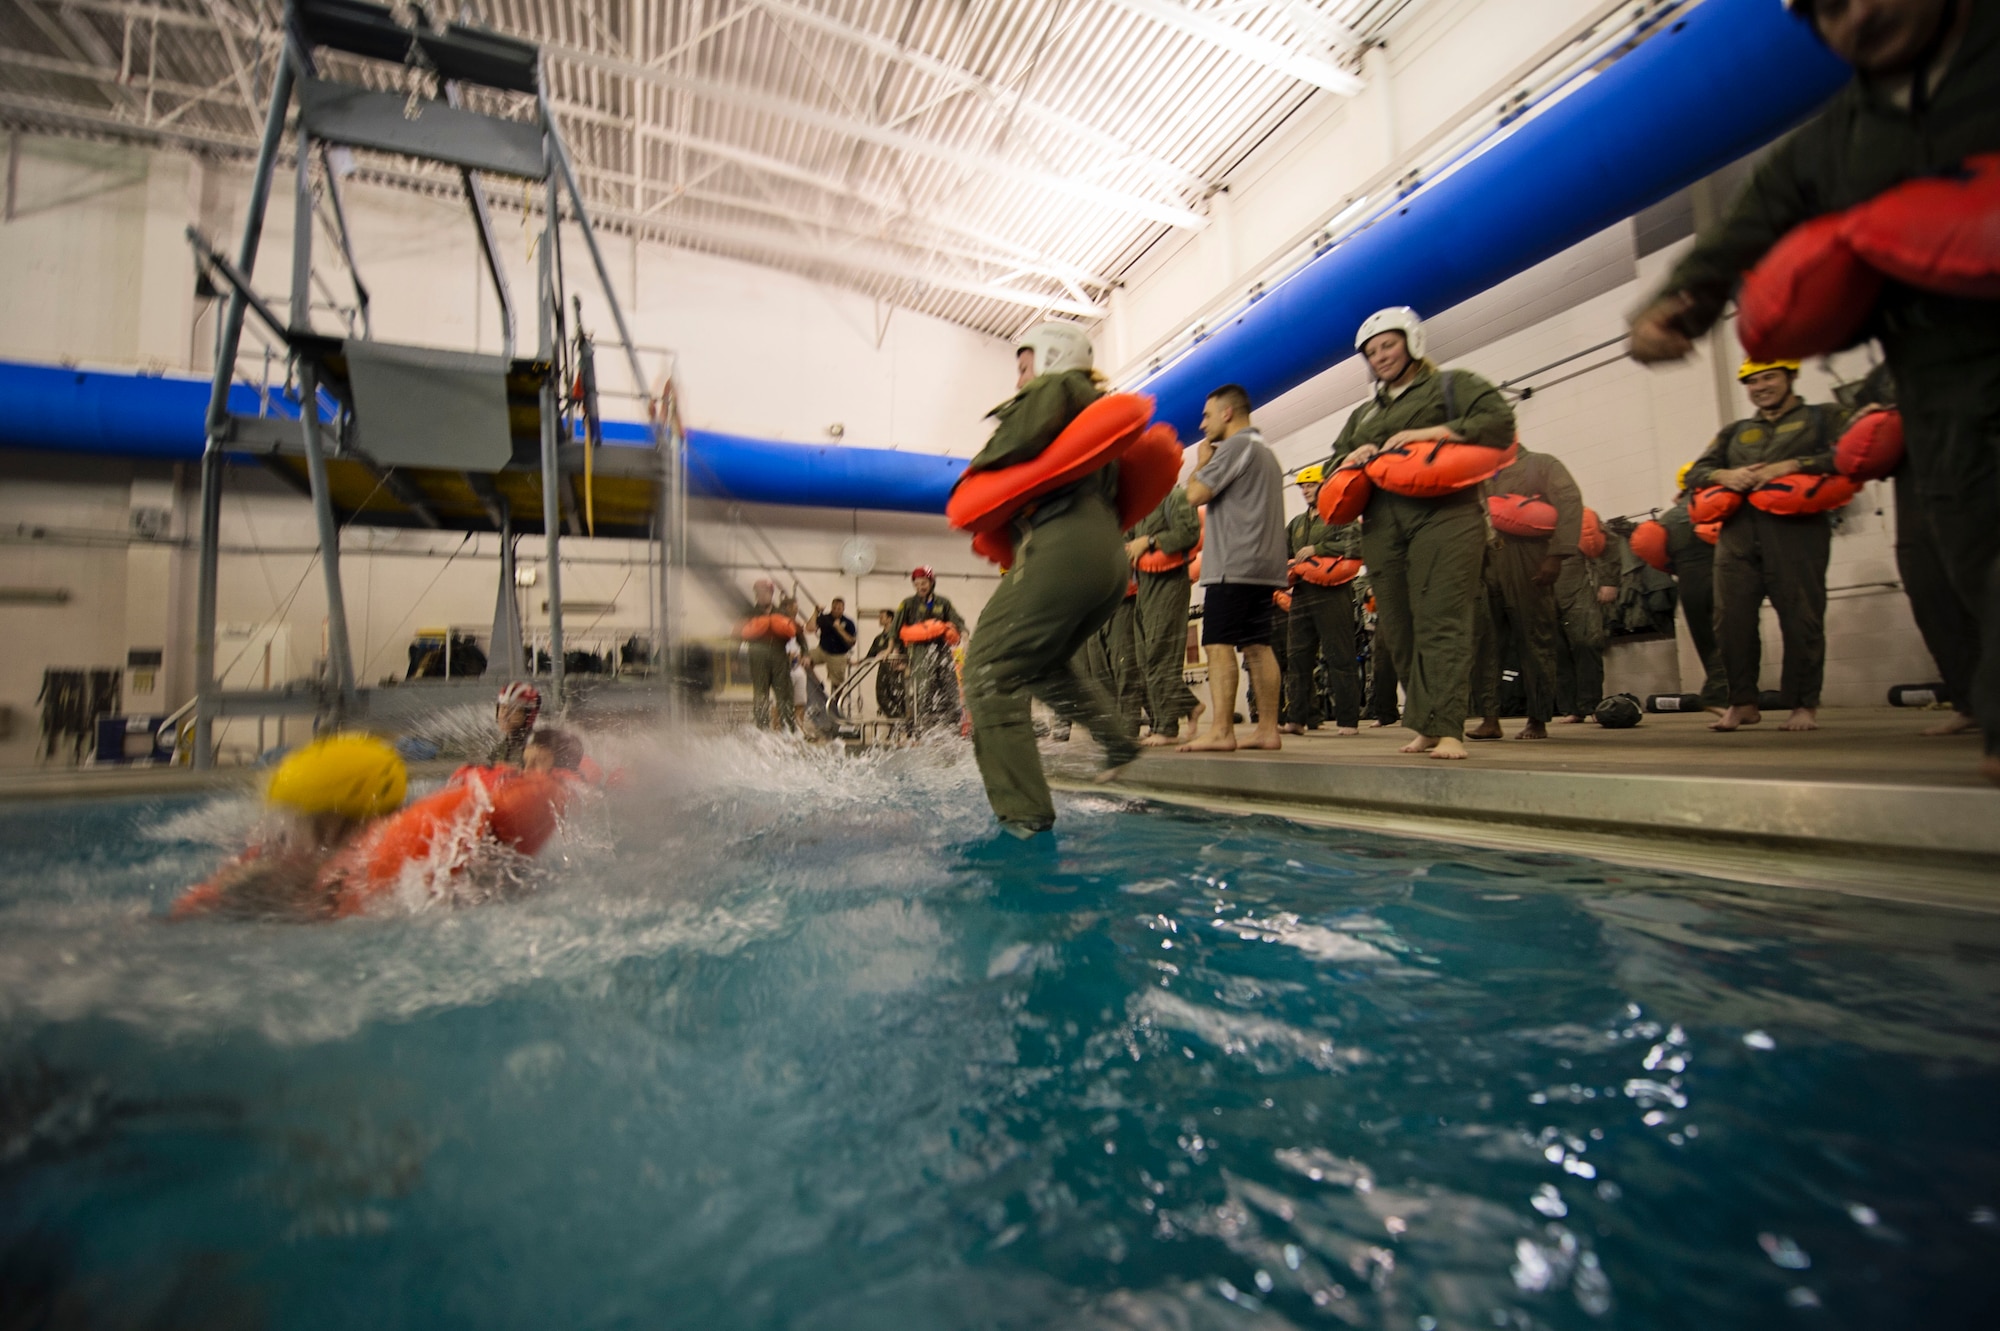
x=1326, y=570
x=1649, y=542
x=1714, y=503
x=1147, y=470
x=1522, y=515
x=774, y=625
x=1872, y=447
x=1590, y=539
x=1282, y=599
x=1710, y=532
x=1809, y=295
x=1100, y=434
x=1160, y=561
x=1436, y=468
x=930, y=630
x=1801, y=492
x=1344, y=495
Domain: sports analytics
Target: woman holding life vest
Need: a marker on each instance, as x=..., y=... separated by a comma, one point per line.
x=925, y=629
x=1068, y=577
x=1424, y=553
x=767, y=633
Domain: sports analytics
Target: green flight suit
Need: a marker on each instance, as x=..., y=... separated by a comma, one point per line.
x=770, y=679
x=931, y=684
x=1069, y=577
x=1111, y=658
x=1175, y=528
x=1582, y=638
x=1944, y=350
x=1779, y=556
x=1321, y=624
x=1692, y=562
x=1516, y=618
x=1424, y=555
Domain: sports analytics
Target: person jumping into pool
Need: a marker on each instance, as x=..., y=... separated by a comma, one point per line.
x=1424, y=554
x=1069, y=576
x=515, y=712
x=318, y=800
x=926, y=627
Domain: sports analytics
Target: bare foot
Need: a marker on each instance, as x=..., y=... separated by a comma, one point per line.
x=1347, y=730
x=1802, y=718
x=1958, y=725
x=1989, y=767
x=1210, y=743
x=1533, y=730
x=1263, y=739
x=1735, y=717
x=1380, y=725
x=1449, y=747
x=1487, y=729
x=1570, y=720
x=1193, y=722
x=1110, y=774
x=1421, y=744
x=1289, y=729
x=1714, y=711
x=1159, y=741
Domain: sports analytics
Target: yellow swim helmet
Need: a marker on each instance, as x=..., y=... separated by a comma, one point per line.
x=357, y=776
x=1750, y=367
x=1681, y=476
x=1311, y=474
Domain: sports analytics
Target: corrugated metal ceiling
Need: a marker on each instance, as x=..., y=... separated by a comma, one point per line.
x=985, y=161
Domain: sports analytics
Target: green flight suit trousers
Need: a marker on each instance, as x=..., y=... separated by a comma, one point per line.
x=771, y=682
x=1161, y=638
x=1321, y=622
x=1783, y=558
x=1424, y=556
x=1695, y=575
x=1067, y=581
x=1515, y=613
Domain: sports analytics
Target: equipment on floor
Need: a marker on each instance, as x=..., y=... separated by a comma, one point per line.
x=1673, y=702
x=1620, y=711
x=1919, y=695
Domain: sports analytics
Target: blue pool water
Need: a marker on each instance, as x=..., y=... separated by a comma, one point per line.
x=791, y=1042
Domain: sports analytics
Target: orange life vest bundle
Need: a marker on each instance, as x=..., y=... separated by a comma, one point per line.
x=1159, y=561
x=1872, y=448
x=1801, y=492
x=1649, y=542
x=1100, y=434
x=1522, y=515
x=773, y=625
x=930, y=630
x=1713, y=503
x=1282, y=599
x=1325, y=570
x=1147, y=472
x=1436, y=468
x=1808, y=296
x=1590, y=539
x=1344, y=495
x=1708, y=531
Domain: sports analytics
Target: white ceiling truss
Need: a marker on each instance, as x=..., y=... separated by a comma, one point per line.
x=985, y=161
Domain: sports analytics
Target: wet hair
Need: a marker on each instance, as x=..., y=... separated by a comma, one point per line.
x=566, y=748
x=1235, y=397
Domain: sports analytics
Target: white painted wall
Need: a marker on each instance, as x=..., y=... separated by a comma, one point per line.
x=95, y=269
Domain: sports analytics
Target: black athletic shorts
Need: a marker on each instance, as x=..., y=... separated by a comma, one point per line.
x=1236, y=614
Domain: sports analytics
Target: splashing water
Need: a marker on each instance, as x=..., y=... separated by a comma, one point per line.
x=776, y=1037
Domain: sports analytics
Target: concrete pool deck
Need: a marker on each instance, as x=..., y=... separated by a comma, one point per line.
x=1864, y=804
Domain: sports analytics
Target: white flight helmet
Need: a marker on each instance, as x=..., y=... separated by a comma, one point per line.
x=1396, y=319
x=1058, y=345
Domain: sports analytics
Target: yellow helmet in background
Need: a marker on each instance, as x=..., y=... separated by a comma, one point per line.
x=1681, y=476
x=1750, y=367
x=357, y=776
x=1312, y=474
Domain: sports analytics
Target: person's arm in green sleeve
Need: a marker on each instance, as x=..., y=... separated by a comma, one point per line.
x=1344, y=445
x=1182, y=527
x=1032, y=419
x=1559, y=488
x=1485, y=417
x=1714, y=458
x=951, y=613
x=1831, y=421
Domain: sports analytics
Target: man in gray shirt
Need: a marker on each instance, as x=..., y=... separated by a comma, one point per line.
x=1242, y=567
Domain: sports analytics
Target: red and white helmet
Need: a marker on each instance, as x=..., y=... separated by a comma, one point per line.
x=924, y=571
x=520, y=694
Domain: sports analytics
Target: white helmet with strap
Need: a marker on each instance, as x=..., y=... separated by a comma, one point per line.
x=1396, y=319
x=1057, y=345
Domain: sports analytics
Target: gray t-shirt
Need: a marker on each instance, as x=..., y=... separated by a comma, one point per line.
x=1245, y=539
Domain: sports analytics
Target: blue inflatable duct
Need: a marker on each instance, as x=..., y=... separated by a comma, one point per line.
x=1723, y=79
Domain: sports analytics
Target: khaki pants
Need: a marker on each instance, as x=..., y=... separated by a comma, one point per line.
x=836, y=668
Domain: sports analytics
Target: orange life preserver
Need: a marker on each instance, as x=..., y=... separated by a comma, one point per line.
x=1282, y=599
x=1131, y=588
x=1344, y=495
x=1100, y=434
x=1801, y=492
x=1437, y=467
x=1649, y=542
x=1714, y=503
x=1522, y=515
x=1159, y=561
x=1326, y=570
x=930, y=630
x=1710, y=532
x=1872, y=447
x=1808, y=296
x=1940, y=233
x=1147, y=472
x=774, y=625
x=485, y=805
x=1590, y=539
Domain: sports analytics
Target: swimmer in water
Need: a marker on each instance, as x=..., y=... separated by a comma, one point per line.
x=320, y=798
x=515, y=713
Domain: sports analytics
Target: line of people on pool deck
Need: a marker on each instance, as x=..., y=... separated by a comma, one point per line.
x=336, y=834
